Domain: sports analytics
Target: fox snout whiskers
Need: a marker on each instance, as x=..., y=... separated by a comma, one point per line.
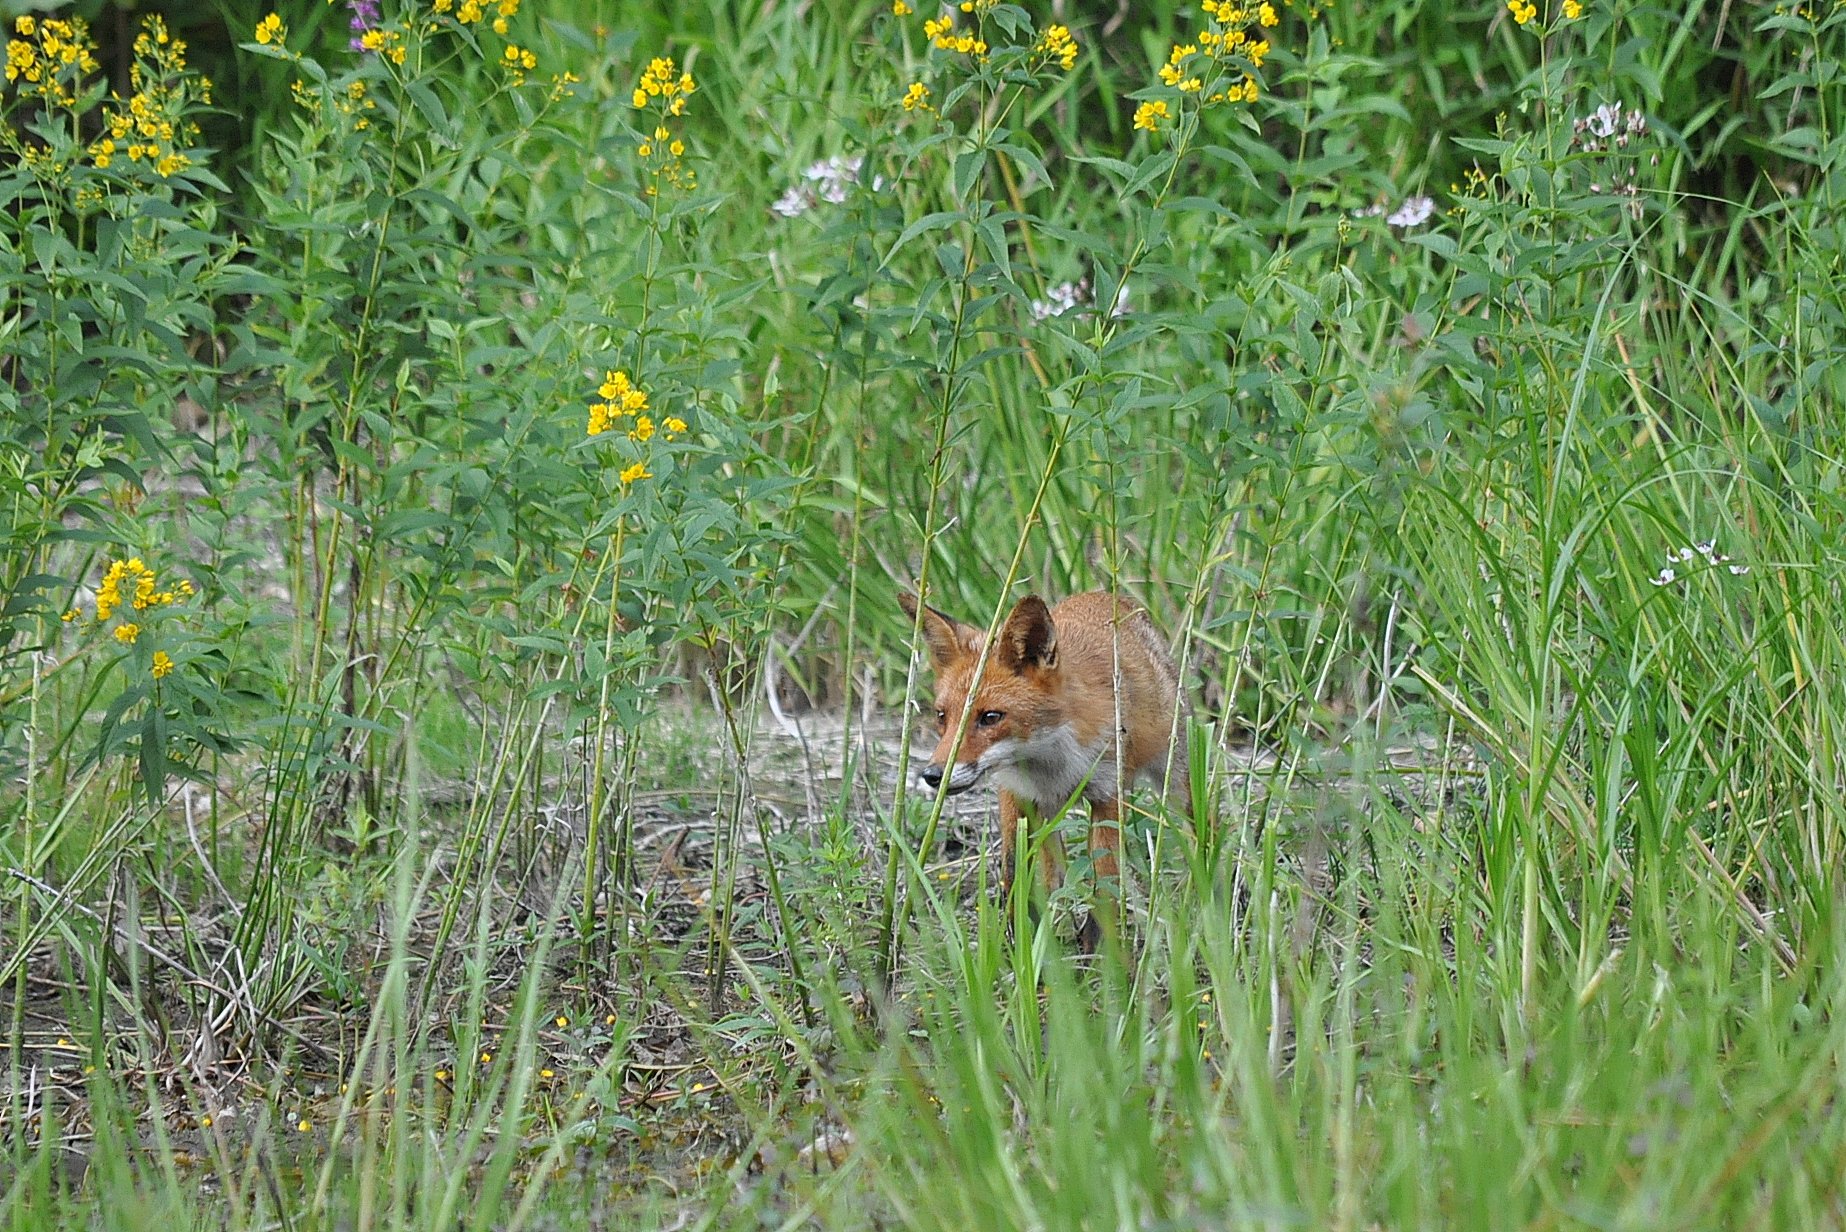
x=961, y=779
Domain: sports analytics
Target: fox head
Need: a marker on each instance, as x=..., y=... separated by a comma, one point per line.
x=1012, y=708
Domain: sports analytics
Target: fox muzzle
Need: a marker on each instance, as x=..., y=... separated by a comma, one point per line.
x=961, y=778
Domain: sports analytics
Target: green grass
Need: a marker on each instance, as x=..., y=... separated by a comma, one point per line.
x=515, y=844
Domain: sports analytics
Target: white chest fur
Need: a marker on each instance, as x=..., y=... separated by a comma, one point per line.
x=1047, y=769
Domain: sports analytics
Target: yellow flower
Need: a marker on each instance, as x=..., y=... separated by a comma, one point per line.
x=269, y=30
x=127, y=633
x=900, y=9
x=163, y=664
x=659, y=81
x=1057, y=44
x=619, y=399
x=916, y=98
x=1173, y=70
x=1572, y=10
x=643, y=430
x=637, y=471
x=1149, y=114
x=1523, y=11
x=674, y=426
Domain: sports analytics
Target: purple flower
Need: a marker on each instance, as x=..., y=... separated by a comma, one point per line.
x=365, y=16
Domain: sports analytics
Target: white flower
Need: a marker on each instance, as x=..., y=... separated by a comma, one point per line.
x=1666, y=577
x=1058, y=301
x=1604, y=120
x=1739, y=570
x=829, y=180
x=1611, y=120
x=834, y=177
x=796, y=200
x=1414, y=212
x=1073, y=296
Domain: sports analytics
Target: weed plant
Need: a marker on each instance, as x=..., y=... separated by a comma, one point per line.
x=454, y=705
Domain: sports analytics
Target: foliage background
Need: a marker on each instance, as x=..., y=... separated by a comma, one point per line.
x=445, y=872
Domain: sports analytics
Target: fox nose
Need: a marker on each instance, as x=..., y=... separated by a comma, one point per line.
x=932, y=776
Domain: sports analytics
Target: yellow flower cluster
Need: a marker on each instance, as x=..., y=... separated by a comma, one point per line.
x=662, y=81
x=1056, y=44
x=1174, y=71
x=1572, y=10
x=50, y=57
x=518, y=61
x=561, y=84
x=619, y=398
x=144, y=589
x=941, y=33
x=472, y=11
x=386, y=42
x=131, y=584
x=666, y=88
x=151, y=126
x=354, y=101
x=1232, y=42
x=271, y=30
x=1523, y=11
x=900, y=9
x=1149, y=114
x=916, y=98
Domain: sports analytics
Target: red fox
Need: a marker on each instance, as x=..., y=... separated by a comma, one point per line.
x=1042, y=715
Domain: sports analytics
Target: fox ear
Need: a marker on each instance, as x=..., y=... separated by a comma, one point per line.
x=1028, y=639
x=948, y=640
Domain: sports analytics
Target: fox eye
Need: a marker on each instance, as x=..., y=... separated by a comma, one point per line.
x=987, y=718
x=942, y=718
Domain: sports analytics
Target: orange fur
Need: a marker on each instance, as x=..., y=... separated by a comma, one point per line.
x=1041, y=717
